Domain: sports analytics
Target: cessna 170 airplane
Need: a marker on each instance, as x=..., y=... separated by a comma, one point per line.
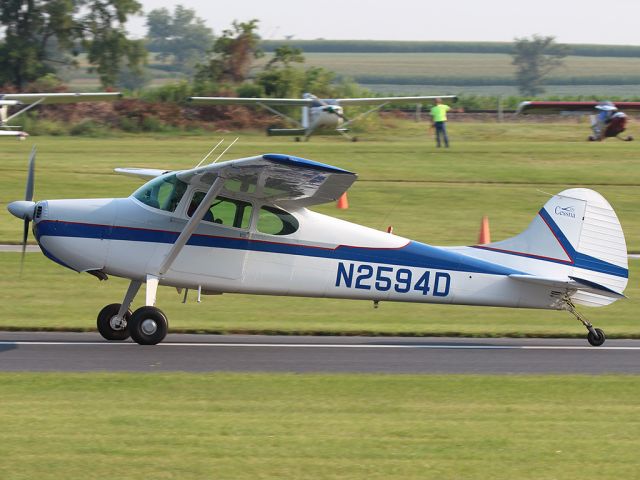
x=318, y=114
x=33, y=99
x=244, y=226
x=606, y=120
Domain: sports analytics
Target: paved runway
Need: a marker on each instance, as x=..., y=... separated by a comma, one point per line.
x=81, y=352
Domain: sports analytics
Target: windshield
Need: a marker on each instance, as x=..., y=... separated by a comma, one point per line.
x=163, y=192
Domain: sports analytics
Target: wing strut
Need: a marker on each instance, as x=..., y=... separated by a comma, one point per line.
x=279, y=114
x=371, y=110
x=23, y=110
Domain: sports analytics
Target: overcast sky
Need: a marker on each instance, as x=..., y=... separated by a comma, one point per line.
x=587, y=21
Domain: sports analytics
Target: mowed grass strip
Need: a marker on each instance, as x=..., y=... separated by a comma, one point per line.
x=48, y=296
x=502, y=170
x=435, y=196
x=317, y=426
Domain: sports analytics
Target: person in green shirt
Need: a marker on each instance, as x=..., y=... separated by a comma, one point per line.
x=439, y=115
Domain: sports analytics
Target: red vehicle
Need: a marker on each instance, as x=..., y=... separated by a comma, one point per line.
x=606, y=118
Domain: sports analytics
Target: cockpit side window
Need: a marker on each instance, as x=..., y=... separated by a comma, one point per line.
x=164, y=192
x=274, y=221
x=223, y=210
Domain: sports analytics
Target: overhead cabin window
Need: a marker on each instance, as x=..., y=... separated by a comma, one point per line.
x=163, y=192
x=223, y=210
x=274, y=221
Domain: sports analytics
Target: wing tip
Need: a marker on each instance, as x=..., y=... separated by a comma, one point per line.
x=299, y=161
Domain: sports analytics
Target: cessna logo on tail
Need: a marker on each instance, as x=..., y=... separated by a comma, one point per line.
x=566, y=211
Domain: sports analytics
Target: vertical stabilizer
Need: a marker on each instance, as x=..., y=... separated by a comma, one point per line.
x=579, y=229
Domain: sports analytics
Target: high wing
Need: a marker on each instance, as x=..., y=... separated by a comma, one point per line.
x=141, y=172
x=296, y=102
x=29, y=98
x=376, y=100
x=33, y=99
x=557, y=107
x=278, y=179
x=311, y=101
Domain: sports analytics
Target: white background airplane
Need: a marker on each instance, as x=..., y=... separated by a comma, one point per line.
x=317, y=114
x=244, y=226
x=31, y=100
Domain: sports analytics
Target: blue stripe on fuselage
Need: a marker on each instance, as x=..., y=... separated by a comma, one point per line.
x=414, y=254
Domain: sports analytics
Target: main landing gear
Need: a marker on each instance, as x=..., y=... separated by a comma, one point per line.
x=596, y=336
x=148, y=325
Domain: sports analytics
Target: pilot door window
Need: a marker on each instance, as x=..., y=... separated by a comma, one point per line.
x=163, y=193
x=223, y=211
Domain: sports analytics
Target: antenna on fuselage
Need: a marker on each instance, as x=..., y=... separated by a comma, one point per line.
x=209, y=154
x=225, y=151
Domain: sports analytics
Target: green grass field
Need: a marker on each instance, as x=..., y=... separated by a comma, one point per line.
x=436, y=196
x=459, y=64
x=177, y=426
x=411, y=73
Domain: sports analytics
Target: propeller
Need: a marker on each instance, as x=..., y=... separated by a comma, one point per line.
x=327, y=107
x=23, y=209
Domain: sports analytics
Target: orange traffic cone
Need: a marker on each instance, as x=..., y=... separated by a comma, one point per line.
x=485, y=235
x=343, y=203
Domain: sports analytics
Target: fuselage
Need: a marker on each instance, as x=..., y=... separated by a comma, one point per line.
x=323, y=257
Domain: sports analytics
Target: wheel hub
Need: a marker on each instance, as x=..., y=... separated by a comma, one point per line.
x=149, y=326
x=117, y=323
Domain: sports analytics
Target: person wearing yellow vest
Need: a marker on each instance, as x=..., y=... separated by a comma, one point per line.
x=439, y=115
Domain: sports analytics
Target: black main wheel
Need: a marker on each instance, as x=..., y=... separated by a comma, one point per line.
x=109, y=326
x=148, y=326
x=596, y=341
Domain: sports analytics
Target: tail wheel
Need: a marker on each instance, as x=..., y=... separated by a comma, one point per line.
x=598, y=340
x=110, y=326
x=148, y=326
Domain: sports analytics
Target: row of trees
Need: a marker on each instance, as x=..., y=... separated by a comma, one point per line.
x=42, y=35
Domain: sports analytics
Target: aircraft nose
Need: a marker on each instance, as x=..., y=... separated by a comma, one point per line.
x=22, y=209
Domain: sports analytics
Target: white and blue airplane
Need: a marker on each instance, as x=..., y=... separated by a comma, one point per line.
x=318, y=115
x=244, y=226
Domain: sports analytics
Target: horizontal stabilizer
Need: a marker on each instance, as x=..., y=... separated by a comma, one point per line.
x=286, y=132
x=570, y=285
